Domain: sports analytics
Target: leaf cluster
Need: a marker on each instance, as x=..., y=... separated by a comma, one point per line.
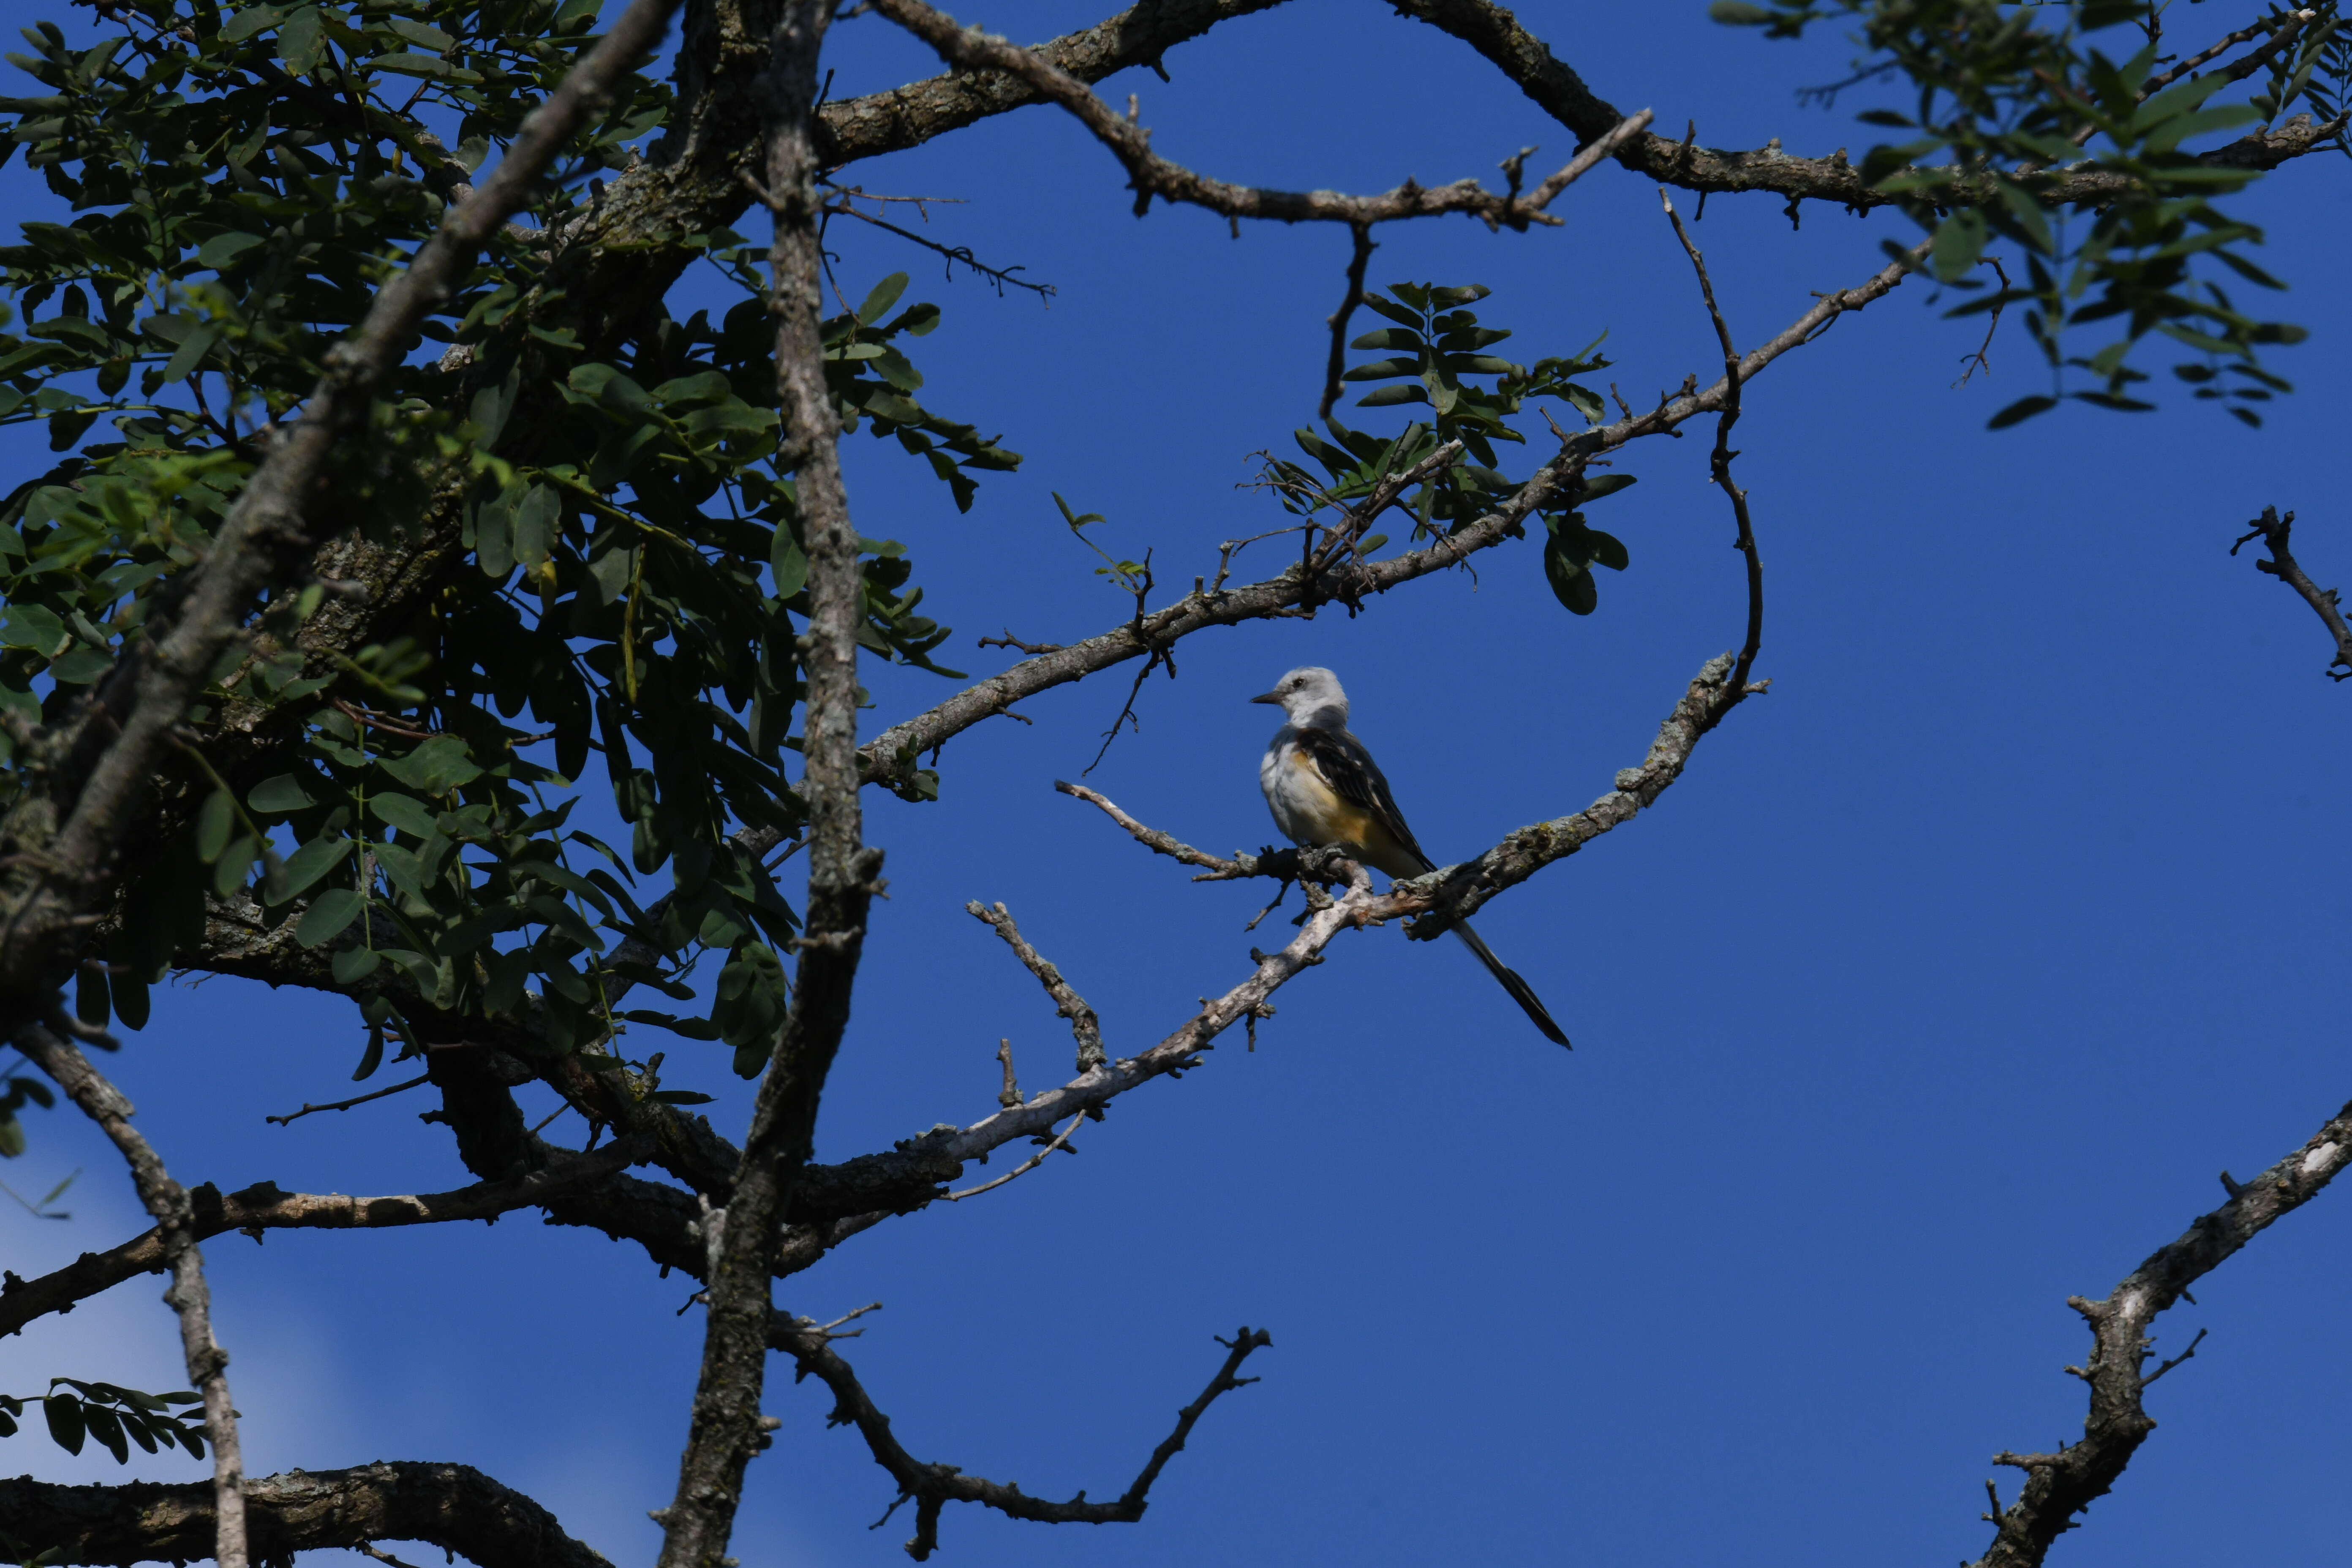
x=76, y=1411
x=2009, y=98
x=1435, y=357
x=632, y=572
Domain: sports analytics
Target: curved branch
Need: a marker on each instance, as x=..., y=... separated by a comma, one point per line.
x=2061, y=1485
x=933, y=1486
x=454, y=1506
x=1559, y=92
x=1149, y=174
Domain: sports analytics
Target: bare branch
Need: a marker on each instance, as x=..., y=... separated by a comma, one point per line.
x=2061, y=1485
x=263, y=1207
x=1719, y=463
x=1059, y=1141
x=2273, y=531
x=741, y=1240
x=168, y=1201
x=454, y=1506
x=1495, y=33
x=1149, y=174
x=1067, y=1003
x=292, y=1117
x=931, y=1487
x=1359, y=259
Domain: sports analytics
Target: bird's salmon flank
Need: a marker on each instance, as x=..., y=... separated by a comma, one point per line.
x=1324, y=789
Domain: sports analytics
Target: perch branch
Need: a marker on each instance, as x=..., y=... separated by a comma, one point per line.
x=2273, y=531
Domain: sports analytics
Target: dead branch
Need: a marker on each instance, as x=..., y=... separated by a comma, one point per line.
x=2061, y=1485
x=931, y=1485
x=1083, y=1024
x=2273, y=531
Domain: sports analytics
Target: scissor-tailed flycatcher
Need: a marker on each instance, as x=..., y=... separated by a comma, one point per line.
x=1324, y=789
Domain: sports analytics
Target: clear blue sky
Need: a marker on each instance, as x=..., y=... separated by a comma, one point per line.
x=1938, y=990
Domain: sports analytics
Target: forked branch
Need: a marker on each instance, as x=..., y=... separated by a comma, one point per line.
x=2061, y=1485
x=931, y=1485
x=1083, y=1024
x=2273, y=531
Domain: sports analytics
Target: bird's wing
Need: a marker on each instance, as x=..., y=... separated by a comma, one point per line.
x=1350, y=770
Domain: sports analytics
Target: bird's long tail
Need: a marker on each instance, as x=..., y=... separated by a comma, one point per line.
x=1520, y=991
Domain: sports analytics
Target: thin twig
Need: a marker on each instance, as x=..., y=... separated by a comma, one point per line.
x=293, y=1116
x=1357, y=262
x=1060, y=1141
x=1735, y=686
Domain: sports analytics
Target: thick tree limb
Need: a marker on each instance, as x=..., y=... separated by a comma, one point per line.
x=933, y=1486
x=263, y=1207
x=454, y=1506
x=1083, y=1024
x=1149, y=174
x=2273, y=531
x=741, y=1238
x=48, y=1048
x=2061, y=1485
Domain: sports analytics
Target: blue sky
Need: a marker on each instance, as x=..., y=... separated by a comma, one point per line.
x=1938, y=990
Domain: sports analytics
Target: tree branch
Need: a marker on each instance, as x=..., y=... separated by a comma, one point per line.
x=933, y=1486
x=741, y=1238
x=263, y=1207
x=1149, y=174
x=454, y=1506
x=2061, y=1485
x=2273, y=531
x=1719, y=464
x=187, y=1296
x=1083, y=1024
x=1495, y=33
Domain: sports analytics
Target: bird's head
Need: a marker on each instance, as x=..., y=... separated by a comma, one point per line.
x=1310, y=697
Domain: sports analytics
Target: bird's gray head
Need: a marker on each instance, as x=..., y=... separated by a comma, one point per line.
x=1310, y=697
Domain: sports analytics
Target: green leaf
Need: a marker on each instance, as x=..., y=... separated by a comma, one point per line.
x=220, y=251
x=351, y=963
x=306, y=866
x=372, y=1058
x=437, y=766
x=215, y=820
x=1960, y=241
x=281, y=794
x=788, y=561
x=1383, y=396
x=411, y=815
x=2024, y=408
x=534, y=525
x=885, y=294
x=63, y=1414
x=328, y=915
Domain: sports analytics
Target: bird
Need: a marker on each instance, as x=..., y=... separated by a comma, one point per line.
x=1324, y=789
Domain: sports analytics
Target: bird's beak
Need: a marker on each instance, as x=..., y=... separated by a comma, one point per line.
x=1273, y=696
